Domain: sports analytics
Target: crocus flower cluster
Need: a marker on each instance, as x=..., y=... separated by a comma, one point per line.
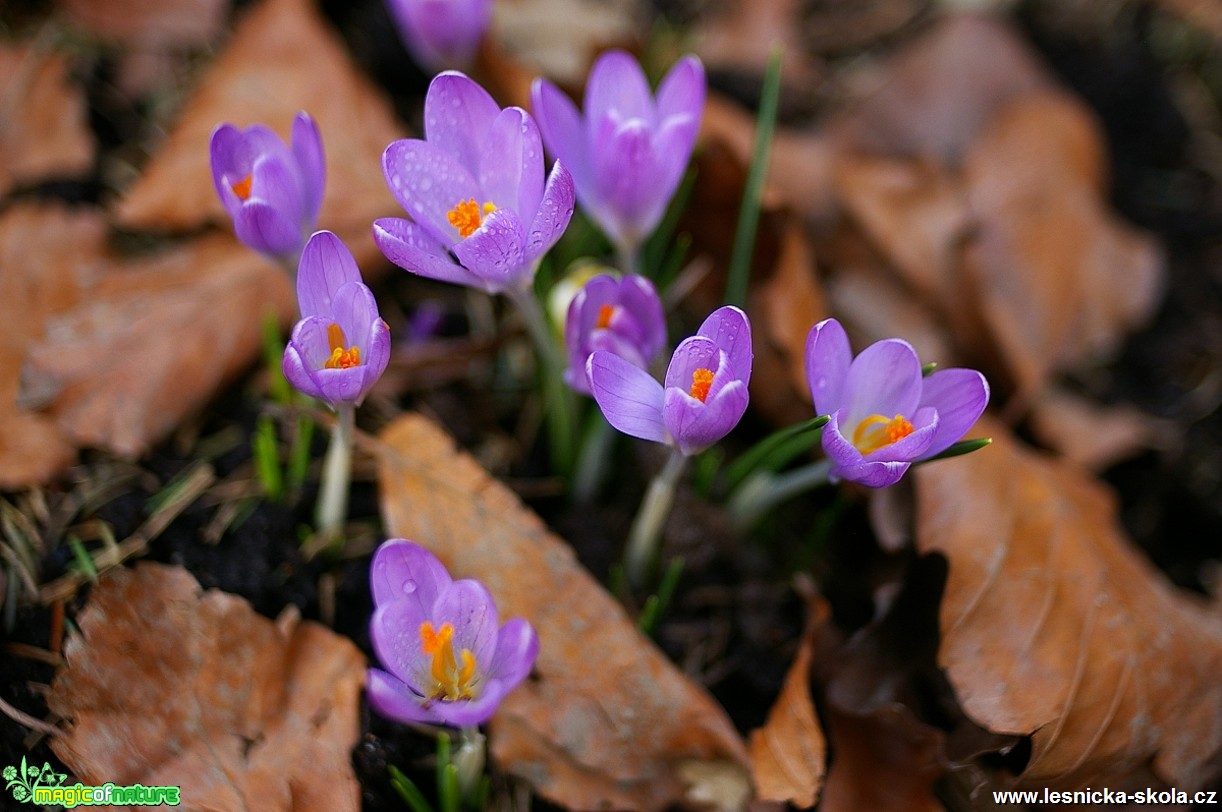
x=441, y=34
x=705, y=391
x=629, y=152
x=884, y=414
x=481, y=213
x=620, y=316
x=448, y=662
x=341, y=346
x=273, y=192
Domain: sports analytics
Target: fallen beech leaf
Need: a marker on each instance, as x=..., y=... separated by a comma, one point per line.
x=151, y=340
x=607, y=721
x=1054, y=627
x=561, y=37
x=1059, y=278
x=884, y=762
x=875, y=305
x=44, y=132
x=45, y=252
x=283, y=58
x=789, y=753
x=169, y=685
x=1092, y=434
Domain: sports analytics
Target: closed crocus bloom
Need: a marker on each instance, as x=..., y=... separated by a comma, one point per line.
x=481, y=212
x=705, y=391
x=621, y=316
x=341, y=346
x=447, y=659
x=630, y=150
x=884, y=415
x=441, y=34
x=273, y=192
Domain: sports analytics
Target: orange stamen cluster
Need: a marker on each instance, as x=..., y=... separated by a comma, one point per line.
x=341, y=358
x=241, y=188
x=877, y=431
x=605, y=314
x=702, y=379
x=452, y=680
x=465, y=216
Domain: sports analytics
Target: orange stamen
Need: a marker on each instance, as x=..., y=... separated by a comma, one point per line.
x=242, y=187
x=877, y=431
x=605, y=313
x=465, y=216
x=453, y=681
x=702, y=379
x=341, y=358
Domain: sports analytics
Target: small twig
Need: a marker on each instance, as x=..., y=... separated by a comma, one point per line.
x=29, y=721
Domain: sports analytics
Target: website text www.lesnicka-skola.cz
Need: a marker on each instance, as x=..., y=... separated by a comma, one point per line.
x=1105, y=796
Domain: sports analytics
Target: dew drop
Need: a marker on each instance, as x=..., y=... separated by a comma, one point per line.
x=409, y=587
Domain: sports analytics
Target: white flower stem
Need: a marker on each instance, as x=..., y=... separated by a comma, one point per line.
x=593, y=459
x=469, y=759
x=628, y=259
x=336, y=474
x=557, y=396
x=764, y=490
x=646, y=529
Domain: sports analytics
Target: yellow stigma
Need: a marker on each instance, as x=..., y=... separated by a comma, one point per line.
x=242, y=187
x=877, y=431
x=605, y=314
x=702, y=379
x=466, y=216
x=452, y=680
x=341, y=358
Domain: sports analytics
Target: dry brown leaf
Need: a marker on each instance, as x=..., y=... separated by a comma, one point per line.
x=283, y=58
x=1054, y=627
x=789, y=753
x=44, y=132
x=45, y=252
x=560, y=37
x=884, y=762
x=1093, y=435
x=169, y=685
x=1059, y=278
x=608, y=721
x=739, y=38
x=151, y=340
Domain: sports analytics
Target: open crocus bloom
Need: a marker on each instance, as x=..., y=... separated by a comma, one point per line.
x=884, y=415
x=272, y=192
x=441, y=34
x=448, y=662
x=705, y=392
x=341, y=346
x=481, y=213
x=621, y=316
x=628, y=154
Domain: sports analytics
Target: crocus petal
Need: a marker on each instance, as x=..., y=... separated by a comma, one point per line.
x=517, y=646
x=693, y=353
x=511, y=169
x=394, y=699
x=341, y=385
x=627, y=170
x=828, y=357
x=394, y=633
x=555, y=211
x=848, y=462
x=730, y=329
x=377, y=357
x=617, y=84
x=496, y=252
x=471, y=712
x=694, y=425
x=562, y=129
x=640, y=298
x=410, y=247
x=960, y=397
x=628, y=396
x=458, y=114
x=885, y=379
x=682, y=90
x=672, y=150
x=405, y=571
x=308, y=151
x=297, y=372
x=275, y=180
x=266, y=229
x=326, y=265
x=468, y=605
x=354, y=309
x=912, y=447
x=428, y=182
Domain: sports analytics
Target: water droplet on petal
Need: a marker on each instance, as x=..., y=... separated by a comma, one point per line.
x=409, y=587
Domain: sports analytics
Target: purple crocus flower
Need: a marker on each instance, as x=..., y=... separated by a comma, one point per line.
x=447, y=660
x=272, y=192
x=341, y=346
x=884, y=414
x=481, y=213
x=441, y=33
x=628, y=154
x=705, y=392
x=622, y=316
